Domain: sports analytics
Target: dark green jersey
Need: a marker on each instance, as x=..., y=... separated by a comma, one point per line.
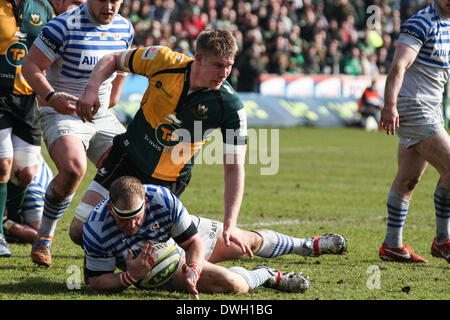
x=172, y=124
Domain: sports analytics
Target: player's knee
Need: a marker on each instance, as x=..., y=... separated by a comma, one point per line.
x=73, y=172
x=25, y=176
x=76, y=231
x=5, y=169
x=233, y=283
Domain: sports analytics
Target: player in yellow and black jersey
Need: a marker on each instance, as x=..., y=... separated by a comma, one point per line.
x=20, y=132
x=185, y=100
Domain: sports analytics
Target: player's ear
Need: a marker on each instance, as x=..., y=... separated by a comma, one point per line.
x=198, y=58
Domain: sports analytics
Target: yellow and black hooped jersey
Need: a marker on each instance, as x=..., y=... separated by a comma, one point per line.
x=172, y=123
x=19, y=26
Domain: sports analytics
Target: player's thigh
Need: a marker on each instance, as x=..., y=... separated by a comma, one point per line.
x=222, y=252
x=69, y=155
x=106, y=128
x=436, y=150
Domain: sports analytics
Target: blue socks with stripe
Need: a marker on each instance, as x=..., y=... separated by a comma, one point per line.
x=442, y=206
x=276, y=244
x=397, y=207
x=54, y=207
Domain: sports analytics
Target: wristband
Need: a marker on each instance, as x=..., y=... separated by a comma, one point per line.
x=7, y=224
x=126, y=279
x=196, y=268
x=49, y=96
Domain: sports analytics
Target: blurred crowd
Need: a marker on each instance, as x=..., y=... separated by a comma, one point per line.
x=280, y=37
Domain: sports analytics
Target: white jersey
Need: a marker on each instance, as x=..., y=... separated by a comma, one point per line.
x=427, y=32
x=106, y=246
x=74, y=42
x=33, y=203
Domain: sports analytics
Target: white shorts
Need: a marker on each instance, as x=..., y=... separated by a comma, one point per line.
x=419, y=120
x=97, y=137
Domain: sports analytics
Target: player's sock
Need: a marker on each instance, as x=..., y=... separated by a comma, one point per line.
x=397, y=207
x=54, y=207
x=276, y=244
x=16, y=195
x=254, y=278
x=442, y=205
x=3, y=195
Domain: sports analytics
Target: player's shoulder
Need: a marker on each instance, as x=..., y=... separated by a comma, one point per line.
x=164, y=57
x=230, y=96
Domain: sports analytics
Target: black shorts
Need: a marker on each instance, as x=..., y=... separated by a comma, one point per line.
x=21, y=113
x=119, y=163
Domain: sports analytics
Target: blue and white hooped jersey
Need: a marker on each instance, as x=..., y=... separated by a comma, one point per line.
x=75, y=43
x=33, y=203
x=428, y=33
x=106, y=247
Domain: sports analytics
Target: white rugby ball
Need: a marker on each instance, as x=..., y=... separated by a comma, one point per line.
x=166, y=263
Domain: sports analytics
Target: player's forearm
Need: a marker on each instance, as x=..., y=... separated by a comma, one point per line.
x=36, y=79
x=112, y=282
x=394, y=82
x=103, y=70
x=234, y=190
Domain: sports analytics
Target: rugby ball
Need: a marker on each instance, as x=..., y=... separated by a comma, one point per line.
x=165, y=265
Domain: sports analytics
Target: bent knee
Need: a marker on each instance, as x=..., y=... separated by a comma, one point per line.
x=76, y=231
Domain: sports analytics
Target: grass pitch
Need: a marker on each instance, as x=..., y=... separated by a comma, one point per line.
x=329, y=180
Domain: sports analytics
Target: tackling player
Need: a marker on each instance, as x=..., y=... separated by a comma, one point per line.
x=186, y=99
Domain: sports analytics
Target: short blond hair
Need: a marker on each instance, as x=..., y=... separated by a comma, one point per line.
x=218, y=42
x=126, y=190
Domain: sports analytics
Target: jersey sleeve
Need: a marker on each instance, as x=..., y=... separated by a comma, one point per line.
x=98, y=258
x=148, y=61
x=183, y=227
x=51, y=39
x=414, y=32
x=234, y=126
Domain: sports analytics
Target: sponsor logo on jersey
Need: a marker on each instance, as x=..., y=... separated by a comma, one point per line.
x=151, y=52
x=89, y=58
x=200, y=112
x=166, y=132
x=15, y=54
x=36, y=19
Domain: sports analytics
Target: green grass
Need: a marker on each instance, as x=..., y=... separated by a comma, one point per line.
x=329, y=180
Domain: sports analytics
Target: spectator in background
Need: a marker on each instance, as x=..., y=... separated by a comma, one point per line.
x=352, y=64
x=344, y=21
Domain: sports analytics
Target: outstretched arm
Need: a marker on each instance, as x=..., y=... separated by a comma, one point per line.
x=89, y=103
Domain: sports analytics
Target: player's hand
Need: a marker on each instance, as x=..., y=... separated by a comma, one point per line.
x=140, y=267
x=389, y=119
x=234, y=235
x=87, y=106
x=60, y=101
x=191, y=277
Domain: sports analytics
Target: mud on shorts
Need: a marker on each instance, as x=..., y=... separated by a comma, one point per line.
x=97, y=137
x=419, y=120
x=209, y=230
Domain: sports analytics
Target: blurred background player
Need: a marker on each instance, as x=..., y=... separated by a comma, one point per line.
x=369, y=107
x=20, y=131
x=58, y=67
x=413, y=110
x=22, y=225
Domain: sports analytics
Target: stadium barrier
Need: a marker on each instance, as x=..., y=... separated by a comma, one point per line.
x=283, y=101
